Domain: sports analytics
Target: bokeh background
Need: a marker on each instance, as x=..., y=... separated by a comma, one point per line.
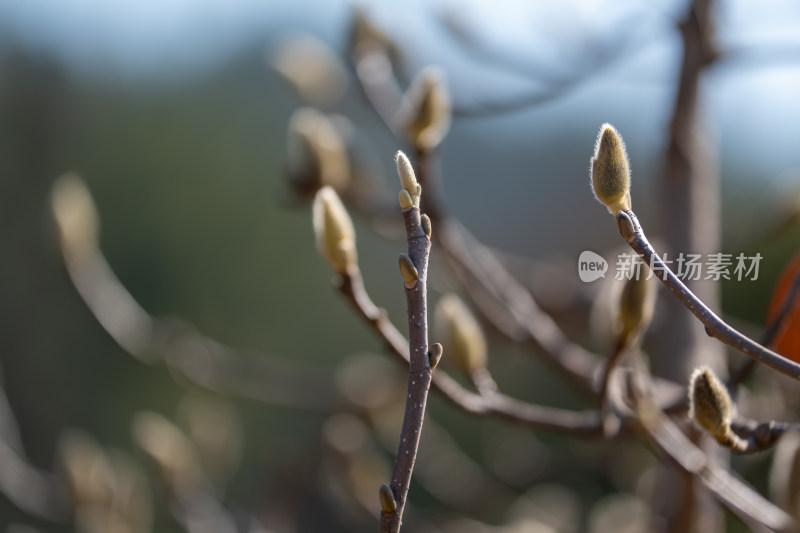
x=173, y=115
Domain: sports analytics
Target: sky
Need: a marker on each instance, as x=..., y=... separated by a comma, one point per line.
x=754, y=101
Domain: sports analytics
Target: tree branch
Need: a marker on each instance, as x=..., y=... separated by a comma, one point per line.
x=634, y=235
x=419, y=372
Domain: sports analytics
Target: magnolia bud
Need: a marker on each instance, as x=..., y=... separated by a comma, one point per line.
x=408, y=180
x=386, y=496
x=334, y=232
x=427, y=112
x=425, y=221
x=461, y=334
x=408, y=271
x=435, y=354
x=611, y=179
x=317, y=152
x=636, y=304
x=313, y=69
x=710, y=404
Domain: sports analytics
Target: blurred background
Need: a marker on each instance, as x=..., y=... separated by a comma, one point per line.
x=176, y=117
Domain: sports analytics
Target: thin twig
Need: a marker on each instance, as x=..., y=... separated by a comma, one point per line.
x=189, y=354
x=419, y=371
x=633, y=233
x=733, y=492
x=586, y=423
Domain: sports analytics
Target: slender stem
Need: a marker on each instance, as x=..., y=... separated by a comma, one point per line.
x=419, y=372
x=633, y=233
x=582, y=423
x=737, y=495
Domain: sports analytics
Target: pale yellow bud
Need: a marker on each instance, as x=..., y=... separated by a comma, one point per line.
x=170, y=450
x=435, y=354
x=408, y=180
x=425, y=222
x=636, y=303
x=310, y=66
x=461, y=334
x=710, y=404
x=386, y=497
x=408, y=271
x=75, y=214
x=611, y=180
x=334, y=232
x=405, y=199
x=426, y=115
x=317, y=152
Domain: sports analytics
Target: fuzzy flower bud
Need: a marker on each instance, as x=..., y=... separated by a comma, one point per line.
x=636, y=304
x=611, y=178
x=334, y=232
x=426, y=115
x=710, y=404
x=408, y=180
x=317, y=152
x=461, y=334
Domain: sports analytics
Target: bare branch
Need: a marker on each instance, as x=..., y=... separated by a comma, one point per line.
x=634, y=235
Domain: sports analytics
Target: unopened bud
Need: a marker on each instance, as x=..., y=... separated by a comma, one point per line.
x=365, y=36
x=710, y=404
x=426, y=224
x=408, y=271
x=405, y=199
x=435, y=354
x=461, y=333
x=636, y=304
x=309, y=64
x=408, y=180
x=75, y=214
x=386, y=496
x=334, y=232
x=611, y=180
x=317, y=152
x=427, y=112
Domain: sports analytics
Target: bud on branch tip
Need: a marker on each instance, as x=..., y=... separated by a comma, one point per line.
x=611, y=179
x=333, y=229
x=408, y=180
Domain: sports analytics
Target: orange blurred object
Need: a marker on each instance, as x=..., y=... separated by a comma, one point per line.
x=787, y=339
